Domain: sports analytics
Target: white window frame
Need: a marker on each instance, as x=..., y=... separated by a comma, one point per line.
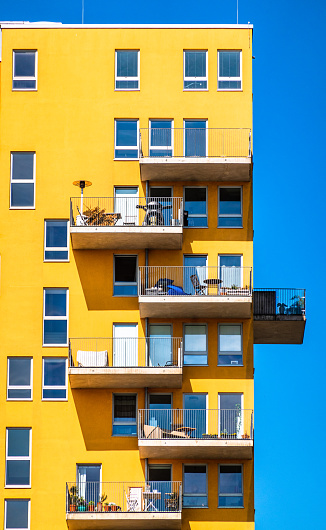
x=125, y=283
x=160, y=147
x=193, y=494
x=230, y=494
x=23, y=181
x=55, y=387
x=184, y=136
x=56, y=317
x=20, y=387
x=24, y=78
x=29, y=514
x=127, y=147
x=56, y=249
x=193, y=216
x=19, y=458
x=228, y=78
x=241, y=266
x=225, y=353
x=194, y=78
x=127, y=78
x=224, y=215
x=200, y=353
x=126, y=422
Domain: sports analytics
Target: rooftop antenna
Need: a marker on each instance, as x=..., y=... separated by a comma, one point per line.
x=237, y=11
x=83, y=11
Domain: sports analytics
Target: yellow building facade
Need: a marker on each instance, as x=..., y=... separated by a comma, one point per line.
x=128, y=315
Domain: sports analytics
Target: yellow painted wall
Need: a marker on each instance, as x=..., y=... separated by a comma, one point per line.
x=69, y=123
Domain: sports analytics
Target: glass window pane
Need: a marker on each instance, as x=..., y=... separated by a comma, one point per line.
x=229, y=84
x=230, y=201
x=18, y=442
x=127, y=62
x=194, y=479
x=24, y=83
x=230, y=338
x=24, y=64
x=230, y=479
x=19, y=371
x=229, y=64
x=230, y=502
x=124, y=430
x=22, y=195
x=56, y=233
x=195, y=138
x=195, y=201
x=230, y=261
x=125, y=268
x=17, y=472
x=58, y=255
x=127, y=84
x=17, y=514
x=229, y=222
x=161, y=133
x=230, y=401
x=54, y=393
x=195, y=359
x=54, y=372
x=195, y=64
x=19, y=393
x=55, y=332
x=22, y=166
x=55, y=302
x=126, y=153
x=195, y=338
x=124, y=408
x=126, y=133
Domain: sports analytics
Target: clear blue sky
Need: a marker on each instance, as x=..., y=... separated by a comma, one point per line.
x=289, y=205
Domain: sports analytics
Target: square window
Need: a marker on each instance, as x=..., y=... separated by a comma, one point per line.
x=19, y=378
x=124, y=415
x=24, y=70
x=54, y=382
x=230, y=345
x=195, y=344
x=229, y=70
x=195, y=70
x=195, y=486
x=230, y=487
x=127, y=69
x=55, y=318
x=22, y=180
x=195, y=200
x=126, y=139
x=229, y=207
x=125, y=276
x=56, y=240
x=18, y=457
x=17, y=516
x=161, y=138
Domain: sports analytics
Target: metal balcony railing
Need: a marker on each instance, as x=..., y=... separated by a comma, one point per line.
x=122, y=211
x=279, y=301
x=147, y=352
x=195, y=143
x=150, y=496
x=185, y=281
x=230, y=424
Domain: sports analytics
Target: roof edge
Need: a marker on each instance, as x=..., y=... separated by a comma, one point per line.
x=56, y=25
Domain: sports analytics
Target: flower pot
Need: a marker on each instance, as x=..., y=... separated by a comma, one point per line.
x=72, y=507
x=91, y=507
x=106, y=508
x=113, y=508
x=81, y=509
x=99, y=506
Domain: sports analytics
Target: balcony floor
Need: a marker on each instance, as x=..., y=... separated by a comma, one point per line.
x=124, y=521
x=279, y=329
x=175, y=448
x=195, y=306
x=126, y=237
x=132, y=377
x=235, y=169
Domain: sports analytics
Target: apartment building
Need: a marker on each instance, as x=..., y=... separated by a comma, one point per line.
x=128, y=313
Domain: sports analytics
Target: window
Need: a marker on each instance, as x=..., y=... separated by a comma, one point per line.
x=161, y=138
x=127, y=70
x=195, y=344
x=17, y=514
x=125, y=283
x=24, y=70
x=195, y=70
x=19, y=378
x=230, y=490
x=230, y=271
x=22, y=180
x=229, y=208
x=56, y=241
x=124, y=415
x=18, y=457
x=195, y=413
x=126, y=139
x=194, y=273
x=125, y=203
x=196, y=205
x=55, y=320
x=125, y=344
x=230, y=344
x=89, y=482
x=229, y=70
x=195, y=139
x=160, y=411
x=55, y=382
x=230, y=415
x=195, y=486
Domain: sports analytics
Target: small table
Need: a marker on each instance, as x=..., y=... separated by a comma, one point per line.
x=213, y=282
x=150, y=497
x=182, y=428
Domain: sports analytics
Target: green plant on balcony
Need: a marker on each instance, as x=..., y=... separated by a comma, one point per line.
x=73, y=497
x=91, y=506
x=81, y=504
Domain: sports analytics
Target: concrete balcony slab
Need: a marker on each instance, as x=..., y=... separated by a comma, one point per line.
x=131, y=377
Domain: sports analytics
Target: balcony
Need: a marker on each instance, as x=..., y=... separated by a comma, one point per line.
x=154, y=362
x=127, y=505
x=185, y=433
x=195, y=292
x=195, y=154
x=279, y=315
x=126, y=222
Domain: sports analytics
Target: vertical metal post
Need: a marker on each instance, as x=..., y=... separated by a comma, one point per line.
x=146, y=269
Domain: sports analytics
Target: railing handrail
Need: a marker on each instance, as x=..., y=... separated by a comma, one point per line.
x=195, y=128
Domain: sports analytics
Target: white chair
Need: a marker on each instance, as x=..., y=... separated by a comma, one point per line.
x=134, y=499
x=81, y=219
x=92, y=358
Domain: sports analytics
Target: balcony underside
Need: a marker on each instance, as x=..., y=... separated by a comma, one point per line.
x=124, y=521
x=226, y=449
x=126, y=237
x=279, y=329
x=235, y=169
x=194, y=306
x=169, y=377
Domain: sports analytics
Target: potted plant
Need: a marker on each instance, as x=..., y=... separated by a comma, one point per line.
x=91, y=506
x=103, y=498
x=238, y=416
x=281, y=307
x=106, y=506
x=224, y=433
x=81, y=505
x=73, y=493
x=113, y=506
